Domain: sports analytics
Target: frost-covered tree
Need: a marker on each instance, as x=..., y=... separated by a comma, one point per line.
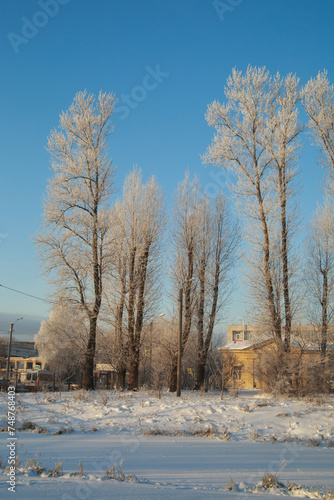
x=159, y=339
x=320, y=270
x=62, y=342
x=183, y=236
x=216, y=254
x=283, y=147
x=134, y=289
x=204, y=240
x=256, y=140
x=318, y=102
x=72, y=244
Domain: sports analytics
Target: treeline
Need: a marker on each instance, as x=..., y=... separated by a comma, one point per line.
x=111, y=263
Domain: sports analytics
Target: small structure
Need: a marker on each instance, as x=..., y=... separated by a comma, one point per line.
x=105, y=376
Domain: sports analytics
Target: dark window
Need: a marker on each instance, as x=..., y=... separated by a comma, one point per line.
x=29, y=365
x=237, y=335
x=237, y=373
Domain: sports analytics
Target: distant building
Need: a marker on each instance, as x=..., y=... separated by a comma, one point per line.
x=23, y=356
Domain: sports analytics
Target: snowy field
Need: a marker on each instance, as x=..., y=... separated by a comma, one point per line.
x=107, y=444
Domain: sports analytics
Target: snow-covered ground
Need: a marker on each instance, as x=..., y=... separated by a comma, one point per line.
x=108, y=444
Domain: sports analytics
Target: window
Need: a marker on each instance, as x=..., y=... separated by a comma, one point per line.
x=29, y=365
x=237, y=373
x=237, y=335
x=19, y=365
x=241, y=335
x=47, y=377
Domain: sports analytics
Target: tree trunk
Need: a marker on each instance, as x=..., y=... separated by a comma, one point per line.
x=324, y=322
x=200, y=374
x=201, y=358
x=120, y=379
x=93, y=315
x=134, y=342
x=202, y=362
x=187, y=314
x=275, y=319
x=173, y=376
x=284, y=257
x=88, y=381
x=134, y=368
x=188, y=296
x=131, y=340
x=120, y=348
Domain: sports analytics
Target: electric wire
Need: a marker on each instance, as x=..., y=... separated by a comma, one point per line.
x=27, y=294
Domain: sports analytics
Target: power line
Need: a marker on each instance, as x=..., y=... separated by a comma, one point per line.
x=52, y=302
x=27, y=294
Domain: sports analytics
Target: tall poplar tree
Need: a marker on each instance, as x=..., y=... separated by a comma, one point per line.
x=72, y=243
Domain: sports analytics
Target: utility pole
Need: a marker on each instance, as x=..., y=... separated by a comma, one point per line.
x=9, y=349
x=151, y=343
x=179, y=347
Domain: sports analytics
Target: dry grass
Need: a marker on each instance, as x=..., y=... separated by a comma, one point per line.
x=209, y=432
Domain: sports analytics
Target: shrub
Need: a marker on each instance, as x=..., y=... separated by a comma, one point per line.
x=27, y=425
x=81, y=395
x=312, y=442
x=63, y=430
x=230, y=485
x=81, y=471
x=226, y=435
x=57, y=471
x=254, y=435
x=104, y=399
x=31, y=464
x=114, y=472
x=295, y=374
x=270, y=481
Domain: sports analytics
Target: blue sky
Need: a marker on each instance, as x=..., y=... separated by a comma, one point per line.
x=53, y=48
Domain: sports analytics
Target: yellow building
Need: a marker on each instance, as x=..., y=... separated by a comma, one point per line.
x=247, y=347
x=241, y=360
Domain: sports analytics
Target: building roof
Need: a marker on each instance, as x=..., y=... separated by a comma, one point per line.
x=246, y=344
x=23, y=350
x=259, y=340
x=105, y=367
